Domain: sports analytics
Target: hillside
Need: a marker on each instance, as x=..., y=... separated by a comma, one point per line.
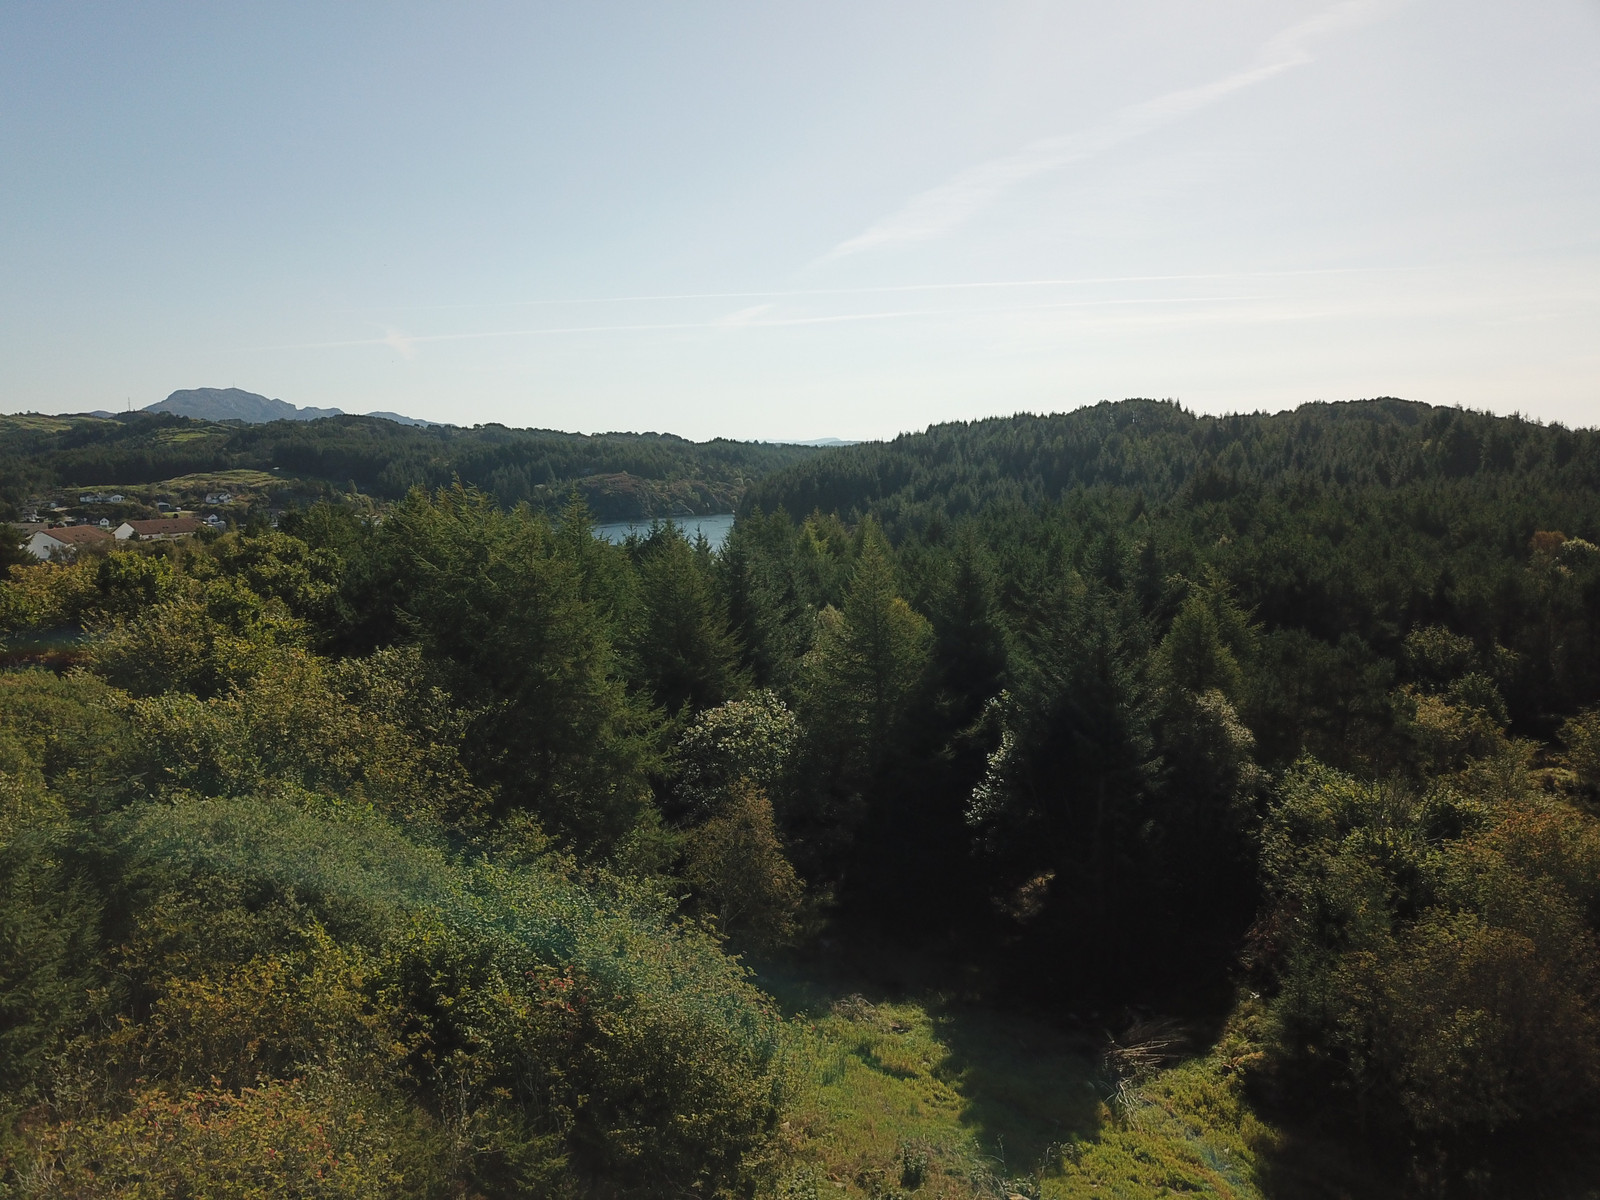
x=1146, y=805
x=1162, y=452
x=622, y=476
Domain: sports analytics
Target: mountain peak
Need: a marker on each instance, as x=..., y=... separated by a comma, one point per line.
x=235, y=404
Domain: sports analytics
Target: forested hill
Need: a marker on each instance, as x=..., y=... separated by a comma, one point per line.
x=1165, y=452
x=1346, y=525
x=1258, y=757
x=620, y=475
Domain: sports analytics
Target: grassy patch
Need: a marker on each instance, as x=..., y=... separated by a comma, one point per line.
x=223, y=481
x=1186, y=1132
x=930, y=1098
x=40, y=423
x=241, y=484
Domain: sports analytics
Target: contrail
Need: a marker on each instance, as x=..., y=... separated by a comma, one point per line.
x=936, y=212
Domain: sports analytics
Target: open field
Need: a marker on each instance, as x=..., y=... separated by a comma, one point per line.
x=237, y=482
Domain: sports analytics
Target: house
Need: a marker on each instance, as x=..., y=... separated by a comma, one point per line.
x=63, y=540
x=219, y=497
x=159, y=530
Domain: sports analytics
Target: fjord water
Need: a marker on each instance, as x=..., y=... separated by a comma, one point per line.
x=715, y=527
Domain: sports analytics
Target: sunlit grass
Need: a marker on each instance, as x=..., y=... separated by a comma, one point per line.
x=240, y=483
x=181, y=436
x=40, y=423
x=1187, y=1131
x=214, y=480
x=929, y=1098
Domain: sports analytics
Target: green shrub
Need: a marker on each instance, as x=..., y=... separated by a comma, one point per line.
x=736, y=865
x=580, y=1021
x=280, y=1140
x=1436, y=952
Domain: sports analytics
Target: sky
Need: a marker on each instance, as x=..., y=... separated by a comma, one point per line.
x=801, y=220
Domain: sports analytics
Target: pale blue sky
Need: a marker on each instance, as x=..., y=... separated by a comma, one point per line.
x=828, y=219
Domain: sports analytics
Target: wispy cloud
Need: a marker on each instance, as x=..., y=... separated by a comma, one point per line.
x=879, y=289
x=759, y=317
x=746, y=316
x=936, y=212
x=769, y=315
x=400, y=344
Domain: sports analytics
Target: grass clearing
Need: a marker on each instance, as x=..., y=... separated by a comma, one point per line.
x=931, y=1098
x=241, y=484
x=212, y=481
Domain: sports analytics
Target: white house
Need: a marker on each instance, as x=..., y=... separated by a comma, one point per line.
x=159, y=530
x=63, y=541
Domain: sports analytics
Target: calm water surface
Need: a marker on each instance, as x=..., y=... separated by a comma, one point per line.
x=715, y=527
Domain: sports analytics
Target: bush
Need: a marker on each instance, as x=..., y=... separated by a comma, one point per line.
x=532, y=1010
x=1436, y=953
x=736, y=865
x=284, y=1139
x=749, y=742
x=1582, y=737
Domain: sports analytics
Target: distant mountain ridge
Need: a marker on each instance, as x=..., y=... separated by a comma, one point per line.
x=236, y=404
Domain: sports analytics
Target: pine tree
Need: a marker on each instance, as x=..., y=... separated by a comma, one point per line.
x=858, y=684
x=1064, y=808
x=688, y=657
x=868, y=660
x=12, y=551
x=496, y=599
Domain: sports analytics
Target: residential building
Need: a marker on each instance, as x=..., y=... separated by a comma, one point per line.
x=63, y=541
x=160, y=529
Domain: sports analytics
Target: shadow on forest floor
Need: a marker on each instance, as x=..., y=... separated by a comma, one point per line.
x=905, y=1090
x=894, y=1091
x=909, y=1086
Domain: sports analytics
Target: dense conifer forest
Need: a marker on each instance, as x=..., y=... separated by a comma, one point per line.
x=1123, y=802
